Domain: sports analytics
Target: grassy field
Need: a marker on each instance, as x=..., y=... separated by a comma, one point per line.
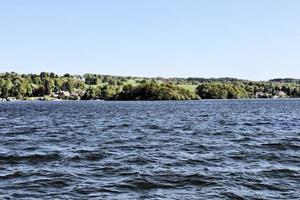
x=192, y=88
x=134, y=82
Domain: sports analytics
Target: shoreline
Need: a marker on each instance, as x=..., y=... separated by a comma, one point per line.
x=50, y=86
x=100, y=100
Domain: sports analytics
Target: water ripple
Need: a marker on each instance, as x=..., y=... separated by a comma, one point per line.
x=210, y=149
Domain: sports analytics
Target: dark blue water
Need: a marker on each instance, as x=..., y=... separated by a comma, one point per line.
x=222, y=149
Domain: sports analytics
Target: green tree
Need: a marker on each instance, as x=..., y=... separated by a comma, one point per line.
x=49, y=85
x=70, y=85
x=6, y=90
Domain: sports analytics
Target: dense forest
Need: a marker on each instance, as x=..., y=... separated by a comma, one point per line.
x=50, y=86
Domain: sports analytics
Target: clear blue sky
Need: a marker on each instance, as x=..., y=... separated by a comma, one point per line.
x=252, y=39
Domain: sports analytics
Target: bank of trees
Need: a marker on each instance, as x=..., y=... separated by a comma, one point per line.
x=221, y=91
x=156, y=91
x=23, y=86
x=144, y=91
x=106, y=87
x=247, y=89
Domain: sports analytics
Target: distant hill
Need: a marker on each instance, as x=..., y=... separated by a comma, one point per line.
x=285, y=80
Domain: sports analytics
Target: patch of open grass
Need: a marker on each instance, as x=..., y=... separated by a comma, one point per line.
x=192, y=88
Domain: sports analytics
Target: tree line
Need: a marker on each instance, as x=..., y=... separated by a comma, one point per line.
x=144, y=91
x=106, y=87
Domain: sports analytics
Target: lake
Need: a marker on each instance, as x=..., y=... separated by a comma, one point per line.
x=208, y=149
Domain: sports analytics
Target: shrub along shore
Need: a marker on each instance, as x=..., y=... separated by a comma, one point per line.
x=50, y=86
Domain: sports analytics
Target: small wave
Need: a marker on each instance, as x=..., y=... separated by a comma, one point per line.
x=93, y=190
x=164, y=181
x=152, y=126
x=281, y=146
x=281, y=173
x=264, y=186
x=233, y=196
x=32, y=158
x=138, y=160
x=56, y=183
x=242, y=139
x=16, y=174
x=109, y=127
x=143, y=184
x=92, y=156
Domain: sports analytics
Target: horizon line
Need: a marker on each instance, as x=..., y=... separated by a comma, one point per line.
x=147, y=77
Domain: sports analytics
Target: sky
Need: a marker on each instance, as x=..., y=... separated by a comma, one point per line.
x=251, y=39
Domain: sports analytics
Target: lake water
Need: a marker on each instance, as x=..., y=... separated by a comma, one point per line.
x=209, y=149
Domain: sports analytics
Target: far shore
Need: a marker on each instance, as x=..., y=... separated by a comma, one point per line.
x=52, y=87
x=42, y=99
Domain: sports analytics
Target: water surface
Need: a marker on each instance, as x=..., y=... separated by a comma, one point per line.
x=210, y=149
